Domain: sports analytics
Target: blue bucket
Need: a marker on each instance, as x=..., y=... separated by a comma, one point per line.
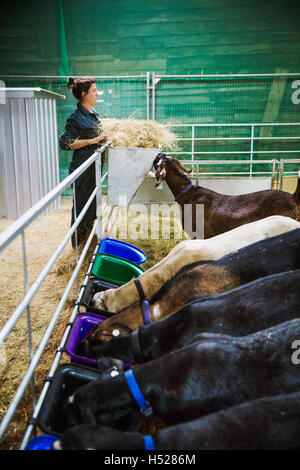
x=123, y=250
x=44, y=442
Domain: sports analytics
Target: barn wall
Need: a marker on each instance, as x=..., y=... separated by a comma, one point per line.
x=171, y=36
x=121, y=37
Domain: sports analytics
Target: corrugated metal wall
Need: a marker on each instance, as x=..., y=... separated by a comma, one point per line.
x=28, y=152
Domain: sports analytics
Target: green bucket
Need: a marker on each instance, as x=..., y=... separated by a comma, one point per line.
x=114, y=269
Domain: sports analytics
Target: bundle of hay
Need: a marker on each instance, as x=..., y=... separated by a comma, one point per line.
x=140, y=133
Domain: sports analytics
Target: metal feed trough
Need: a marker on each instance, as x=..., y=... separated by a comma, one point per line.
x=135, y=164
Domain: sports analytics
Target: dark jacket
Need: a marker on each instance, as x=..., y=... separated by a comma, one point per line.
x=81, y=124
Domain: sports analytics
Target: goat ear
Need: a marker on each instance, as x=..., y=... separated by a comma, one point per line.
x=183, y=168
x=160, y=174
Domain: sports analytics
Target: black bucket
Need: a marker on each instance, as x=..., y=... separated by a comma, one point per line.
x=52, y=419
x=93, y=286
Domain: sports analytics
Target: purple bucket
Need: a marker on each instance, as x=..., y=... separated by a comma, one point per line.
x=83, y=323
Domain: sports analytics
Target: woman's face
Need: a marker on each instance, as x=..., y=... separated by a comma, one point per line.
x=91, y=97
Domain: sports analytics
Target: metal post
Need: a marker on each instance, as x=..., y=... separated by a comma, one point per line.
x=193, y=141
x=281, y=174
x=251, y=148
x=273, y=174
x=153, y=96
x=29, y=330
x=56, y=147
x=98, y=198
x=148, y=96
x=76, y=236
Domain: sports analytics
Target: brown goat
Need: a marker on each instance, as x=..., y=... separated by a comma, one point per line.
x=187, y=252
x=265, y=257
x=222, y=212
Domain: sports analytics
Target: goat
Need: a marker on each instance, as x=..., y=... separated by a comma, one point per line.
x=269, y=423
x=189, y=251
x=212, y=373
x=223, y=212
x=265, y=257
x=252, y=307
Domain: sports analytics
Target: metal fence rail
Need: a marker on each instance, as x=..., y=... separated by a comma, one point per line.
x=151, y=83
x=273, y=172
x=251, y=138
x=148, y=98
x=284, y=163
x=259, y=100
x=17, y=228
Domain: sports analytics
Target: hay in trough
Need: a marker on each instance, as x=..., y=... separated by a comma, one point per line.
x=139, y=133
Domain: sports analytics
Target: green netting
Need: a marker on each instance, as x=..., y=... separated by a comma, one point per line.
x=223, y=104
x=64, y=68
x=93, y=37
x=124, y=38
x=218, y=104
x=229, y=101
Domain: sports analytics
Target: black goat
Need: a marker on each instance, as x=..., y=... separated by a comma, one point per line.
x=271, y=423
x=213, y=373
x=247, y=309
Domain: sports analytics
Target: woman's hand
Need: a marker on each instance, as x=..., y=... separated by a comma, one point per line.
x=98, y=139
x=78, y=144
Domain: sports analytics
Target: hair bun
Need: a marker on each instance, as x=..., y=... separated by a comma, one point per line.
x=71, y=82
x=80, y=85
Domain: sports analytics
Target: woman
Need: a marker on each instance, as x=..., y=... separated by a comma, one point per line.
x=83, y=134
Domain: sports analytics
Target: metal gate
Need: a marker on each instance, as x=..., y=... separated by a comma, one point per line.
x=10, y=234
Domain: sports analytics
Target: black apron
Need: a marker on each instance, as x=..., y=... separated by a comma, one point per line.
x=82, y=124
